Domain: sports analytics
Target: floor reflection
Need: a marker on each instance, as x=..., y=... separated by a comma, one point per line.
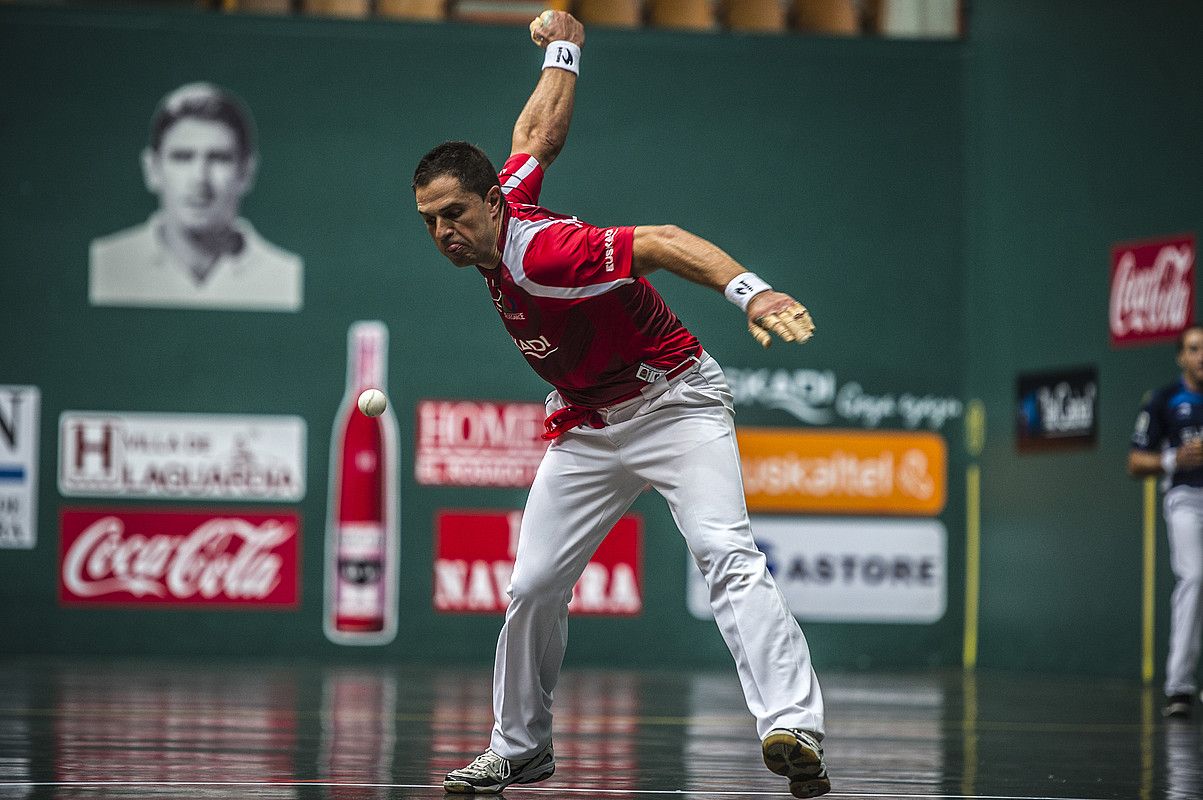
x=137, y=724
x=15, y=737
x=1183, y=760
x=358, y=731
x=596, y=728
x=891, y=734
x=299, y=732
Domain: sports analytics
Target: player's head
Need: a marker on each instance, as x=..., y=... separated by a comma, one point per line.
x=1190, y=353
x=459, y=198
x=201, y=157
x=1182, y=337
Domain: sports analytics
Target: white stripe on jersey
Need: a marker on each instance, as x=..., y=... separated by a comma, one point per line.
x=519, y=175
x=518, y=239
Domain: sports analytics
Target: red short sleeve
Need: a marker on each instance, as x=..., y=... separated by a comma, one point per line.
x=521, y=179
x=570, y=254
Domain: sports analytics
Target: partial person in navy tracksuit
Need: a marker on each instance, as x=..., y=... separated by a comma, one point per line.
x=1168, y=441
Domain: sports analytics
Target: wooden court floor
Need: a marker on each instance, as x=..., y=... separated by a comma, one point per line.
x=171, y=730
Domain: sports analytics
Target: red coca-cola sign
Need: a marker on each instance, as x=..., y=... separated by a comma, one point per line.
x=178, y=558
x=1152, y=290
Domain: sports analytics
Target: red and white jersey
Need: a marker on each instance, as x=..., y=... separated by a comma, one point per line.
x=566, y=296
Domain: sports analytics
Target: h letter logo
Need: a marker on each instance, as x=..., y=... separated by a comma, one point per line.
x=87, y=443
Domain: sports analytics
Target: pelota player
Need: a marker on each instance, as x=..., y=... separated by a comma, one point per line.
x=1168, y=441
x=637, y=401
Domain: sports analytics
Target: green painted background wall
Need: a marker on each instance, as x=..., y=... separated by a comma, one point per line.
x=946, y=209
x=1083, y=131
x=839, y=178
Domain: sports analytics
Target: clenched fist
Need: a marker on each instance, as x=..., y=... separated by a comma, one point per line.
x=556, y=26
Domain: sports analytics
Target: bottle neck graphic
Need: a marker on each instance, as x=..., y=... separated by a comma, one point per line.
x=366, y=357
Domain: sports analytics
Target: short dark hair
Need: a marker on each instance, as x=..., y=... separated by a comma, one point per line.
x=465, y=162
x=1182, y=336
x=208, y=102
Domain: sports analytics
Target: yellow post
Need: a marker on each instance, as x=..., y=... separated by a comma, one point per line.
x=1148, y=727
x=1150, y=578
x=973, y=555
x=969, y=733
x=975, y=443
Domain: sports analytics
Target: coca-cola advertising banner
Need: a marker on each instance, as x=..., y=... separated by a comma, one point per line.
x=210, y=456
x=1057, y=409
x=478, y=443
x=1152, y=290
x=179, y=558
x=474, y=558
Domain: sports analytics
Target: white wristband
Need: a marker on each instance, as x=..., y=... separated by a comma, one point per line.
x=743, y=288
x=563, y=55
x=1169, y=460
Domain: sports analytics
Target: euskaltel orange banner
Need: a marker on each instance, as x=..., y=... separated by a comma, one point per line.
x=844, y=471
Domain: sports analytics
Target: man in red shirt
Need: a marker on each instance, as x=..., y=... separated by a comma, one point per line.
x=636, y=402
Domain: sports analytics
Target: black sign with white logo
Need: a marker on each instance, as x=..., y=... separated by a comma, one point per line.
x=1057, y=410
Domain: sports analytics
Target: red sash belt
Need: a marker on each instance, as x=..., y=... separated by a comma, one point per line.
x=569, y=417
x=565, y=419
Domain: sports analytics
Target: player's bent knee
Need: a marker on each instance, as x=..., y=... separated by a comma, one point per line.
x=1191, y=580
x=539, y=589
x=736, y=569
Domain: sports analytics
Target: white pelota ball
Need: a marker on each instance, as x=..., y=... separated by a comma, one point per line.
x=372, y=402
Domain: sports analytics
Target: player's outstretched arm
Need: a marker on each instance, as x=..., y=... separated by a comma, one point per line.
x=695, y=259
x=542, y=127
x=1143, y=463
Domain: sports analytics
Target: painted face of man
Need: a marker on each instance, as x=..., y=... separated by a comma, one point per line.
x=199, y=174
x=464, y=226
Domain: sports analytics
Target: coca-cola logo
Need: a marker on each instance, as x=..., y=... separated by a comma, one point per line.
x=178, y=558
x=1152, y=290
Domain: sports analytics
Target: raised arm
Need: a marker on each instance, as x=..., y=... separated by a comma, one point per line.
x=542, y=127
x=695, y=259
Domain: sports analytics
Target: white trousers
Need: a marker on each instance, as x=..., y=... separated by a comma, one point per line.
x=1184, y=523
x=680, y=438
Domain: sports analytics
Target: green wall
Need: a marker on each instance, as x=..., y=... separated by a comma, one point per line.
x=1083, y=131
x=834, y=168
x=946, y=210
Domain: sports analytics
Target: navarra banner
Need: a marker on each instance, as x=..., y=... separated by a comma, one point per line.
x=474, y=558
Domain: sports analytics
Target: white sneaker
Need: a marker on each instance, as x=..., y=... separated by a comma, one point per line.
x=798, y=756
x=489, y=773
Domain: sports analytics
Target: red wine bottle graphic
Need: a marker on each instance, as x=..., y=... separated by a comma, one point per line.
x=362, y=537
